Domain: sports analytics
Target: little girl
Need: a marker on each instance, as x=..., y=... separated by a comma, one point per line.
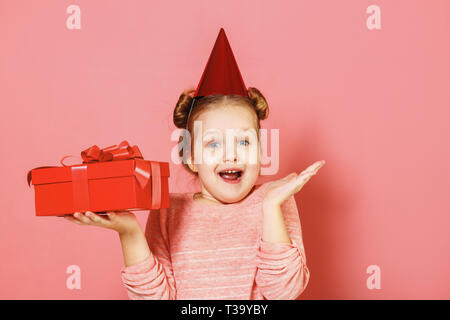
x=230, y=240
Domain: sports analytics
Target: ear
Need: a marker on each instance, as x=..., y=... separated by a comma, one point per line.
x=191, y=165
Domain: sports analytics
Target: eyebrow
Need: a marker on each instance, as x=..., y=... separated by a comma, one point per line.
x=210, y=135
x=248, y=128
x=243, y=129
x=209, y=139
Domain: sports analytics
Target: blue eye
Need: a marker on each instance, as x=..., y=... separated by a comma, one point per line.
x=213, y=144
x=245, y=142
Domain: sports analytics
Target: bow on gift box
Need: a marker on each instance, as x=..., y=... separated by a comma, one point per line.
x=113, y=153
x=121, y=152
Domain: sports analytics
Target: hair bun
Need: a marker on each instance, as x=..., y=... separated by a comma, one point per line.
x=259, y=103
x=181, y=111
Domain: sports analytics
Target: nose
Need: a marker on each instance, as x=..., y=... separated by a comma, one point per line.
x=230, y=150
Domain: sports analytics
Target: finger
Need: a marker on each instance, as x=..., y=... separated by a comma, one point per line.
x=316, y=166
x=283, y=180
x=82, y=218
x=290, y=176
x=112, y=216
x=72, y=219
x=296, y=182
x=319, y=164
x=302, y=179
x=305, y=176
x=300, y=182
x=312, y=169
x=96, y=219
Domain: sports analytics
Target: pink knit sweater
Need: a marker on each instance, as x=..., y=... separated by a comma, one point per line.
x=216, y=252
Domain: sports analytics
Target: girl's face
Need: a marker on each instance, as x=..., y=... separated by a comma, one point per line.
x=227, y=154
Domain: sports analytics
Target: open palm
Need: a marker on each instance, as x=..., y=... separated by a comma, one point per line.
x=278, y=191
x=120, y=221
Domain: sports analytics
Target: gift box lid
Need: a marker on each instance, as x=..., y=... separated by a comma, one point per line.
x=97, y=170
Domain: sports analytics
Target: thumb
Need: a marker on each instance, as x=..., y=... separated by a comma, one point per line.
x=286, y=180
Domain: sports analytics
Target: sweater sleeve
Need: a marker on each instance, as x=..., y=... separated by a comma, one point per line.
x=152, y=279
x=282, y=273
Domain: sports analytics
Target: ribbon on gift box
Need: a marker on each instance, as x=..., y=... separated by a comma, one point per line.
x=123, y=151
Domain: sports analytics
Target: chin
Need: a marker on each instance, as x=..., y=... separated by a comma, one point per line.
x=234, y=192
x=230, y=199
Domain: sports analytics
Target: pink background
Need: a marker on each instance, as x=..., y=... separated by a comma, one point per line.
x=372, y=103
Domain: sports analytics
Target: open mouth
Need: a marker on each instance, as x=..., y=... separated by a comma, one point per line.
x=231, y=175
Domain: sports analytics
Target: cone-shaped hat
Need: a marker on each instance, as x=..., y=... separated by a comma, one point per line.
x=221, y=74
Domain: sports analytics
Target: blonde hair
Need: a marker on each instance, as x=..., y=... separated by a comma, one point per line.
x=183, y=116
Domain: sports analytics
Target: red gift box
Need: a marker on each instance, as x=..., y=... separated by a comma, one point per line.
x=110, y=179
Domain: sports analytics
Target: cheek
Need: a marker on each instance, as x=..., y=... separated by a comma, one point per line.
x=252, y=171
x=206, y=172
x=212, y=155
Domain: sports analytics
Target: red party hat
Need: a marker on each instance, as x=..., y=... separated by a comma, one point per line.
x=221, y=74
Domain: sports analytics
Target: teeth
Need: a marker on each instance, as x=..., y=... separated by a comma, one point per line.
x=231, y=171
